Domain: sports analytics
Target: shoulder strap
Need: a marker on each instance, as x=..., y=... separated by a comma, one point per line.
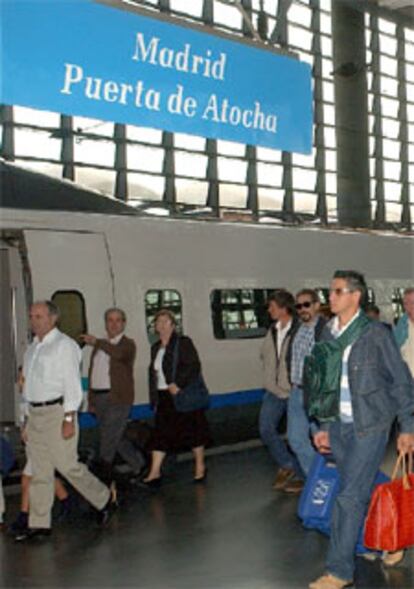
x=175, y=358
x=320, y=324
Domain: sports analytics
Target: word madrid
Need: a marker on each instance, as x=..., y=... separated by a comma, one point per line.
x=216, y=110
x=182, y=61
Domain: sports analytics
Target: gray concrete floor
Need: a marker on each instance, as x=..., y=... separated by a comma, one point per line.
x=234, y=532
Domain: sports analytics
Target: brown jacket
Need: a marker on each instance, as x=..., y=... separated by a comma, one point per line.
x=121, y=364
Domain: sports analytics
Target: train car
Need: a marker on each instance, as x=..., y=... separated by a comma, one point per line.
x=88, y=252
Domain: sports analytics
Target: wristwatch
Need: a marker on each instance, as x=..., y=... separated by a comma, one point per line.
x=69, y=418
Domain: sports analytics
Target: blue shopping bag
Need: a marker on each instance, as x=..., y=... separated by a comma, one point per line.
x=318, y=497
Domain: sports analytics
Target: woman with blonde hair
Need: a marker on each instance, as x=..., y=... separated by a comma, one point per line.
x=174, y=365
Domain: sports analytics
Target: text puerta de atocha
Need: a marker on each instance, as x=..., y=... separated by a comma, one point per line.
x=180, y=102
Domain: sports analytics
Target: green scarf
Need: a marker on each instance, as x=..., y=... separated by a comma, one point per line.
x=323, y=369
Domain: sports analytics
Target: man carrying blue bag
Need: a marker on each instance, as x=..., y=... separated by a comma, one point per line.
x=356, y=385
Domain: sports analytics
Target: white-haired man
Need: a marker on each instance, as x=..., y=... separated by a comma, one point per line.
x=53, y=394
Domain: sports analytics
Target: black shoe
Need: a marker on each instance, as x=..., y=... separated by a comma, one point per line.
x=20, y=524
x=105, y=514
x=202, y=479
x=152, y=484
x=32, y=534
x=65, y=510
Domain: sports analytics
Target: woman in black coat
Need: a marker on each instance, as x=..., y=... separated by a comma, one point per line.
x=174, y=430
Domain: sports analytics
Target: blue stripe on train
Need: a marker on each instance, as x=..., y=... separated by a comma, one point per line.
x=144, y=411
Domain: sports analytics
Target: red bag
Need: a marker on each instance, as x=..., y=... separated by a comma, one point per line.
x=389, y=524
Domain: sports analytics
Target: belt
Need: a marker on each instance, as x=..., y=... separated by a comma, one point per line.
x=47, y=403
x=100, y=391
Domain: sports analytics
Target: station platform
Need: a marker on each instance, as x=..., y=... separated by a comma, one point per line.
x=233, y=532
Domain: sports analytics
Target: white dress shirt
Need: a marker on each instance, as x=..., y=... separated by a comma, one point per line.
x=51, y=370
x=281, y=334
x=407, y=349
x=100, y=378
x=345, y=403
x=158, y=360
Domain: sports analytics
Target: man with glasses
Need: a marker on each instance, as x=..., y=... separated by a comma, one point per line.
x=312, y=328
x=374, y=387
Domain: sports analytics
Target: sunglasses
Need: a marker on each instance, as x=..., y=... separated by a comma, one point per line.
x=305, y=305
x=339, y=291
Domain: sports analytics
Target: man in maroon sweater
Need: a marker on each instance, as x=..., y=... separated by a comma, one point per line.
x=111, y=392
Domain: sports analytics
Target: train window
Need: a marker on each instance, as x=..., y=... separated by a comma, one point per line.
x=371, y=295
x=397, y=303
x=162, y=299
x=240, y=313
x=72, y=320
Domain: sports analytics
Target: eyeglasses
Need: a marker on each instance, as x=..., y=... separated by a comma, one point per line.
x=339, y=291
x=305, y=305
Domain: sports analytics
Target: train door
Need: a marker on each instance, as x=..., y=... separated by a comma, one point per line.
x=13, y=325
x=74, y=268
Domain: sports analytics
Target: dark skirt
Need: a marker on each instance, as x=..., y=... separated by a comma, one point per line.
x=175, y=431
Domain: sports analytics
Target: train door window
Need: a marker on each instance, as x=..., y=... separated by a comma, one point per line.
x=72, y=320
x=323, y=294
x=397, y=303
x=239, y=313
x=157, y=299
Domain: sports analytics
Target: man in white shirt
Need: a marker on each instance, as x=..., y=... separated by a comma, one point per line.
x=53, y=393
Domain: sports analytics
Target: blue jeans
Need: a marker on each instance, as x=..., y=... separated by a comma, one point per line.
x=298, y=430
x=358, y=459
x=272, y=410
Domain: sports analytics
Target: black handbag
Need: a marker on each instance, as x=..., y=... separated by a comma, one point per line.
x=192, y=397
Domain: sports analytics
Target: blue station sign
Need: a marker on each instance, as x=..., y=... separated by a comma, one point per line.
x=80, y=57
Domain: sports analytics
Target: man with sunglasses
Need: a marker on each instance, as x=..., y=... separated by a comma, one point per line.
x=312, y=328
x=374, y=388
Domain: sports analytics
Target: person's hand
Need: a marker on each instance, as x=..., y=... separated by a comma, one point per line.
x=405, y=443
x=88, y=339
x=68, y=429
x=173, y=388
x=322, y=443
x=20, y=380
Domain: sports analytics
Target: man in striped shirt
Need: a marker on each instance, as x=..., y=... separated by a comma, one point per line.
x=312, y=328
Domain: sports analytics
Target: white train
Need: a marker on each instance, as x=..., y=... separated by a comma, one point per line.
x=215, y=275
